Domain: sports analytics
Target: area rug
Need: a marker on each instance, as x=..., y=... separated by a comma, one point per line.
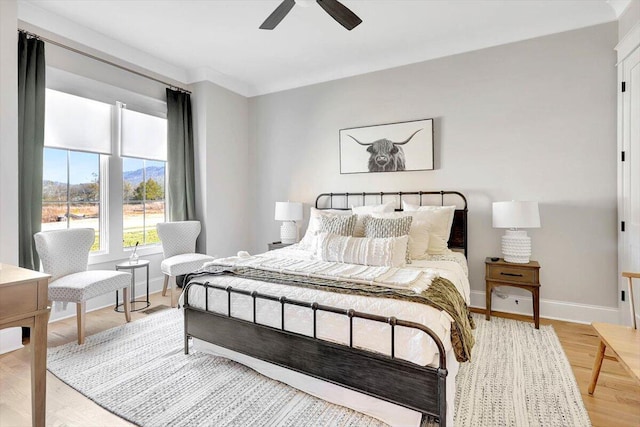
x=519, y=376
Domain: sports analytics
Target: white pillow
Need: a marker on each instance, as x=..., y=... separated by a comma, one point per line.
x=308, y=242
x=388, y=251
x=418, y=233
x=364, y=211
x=440, y=220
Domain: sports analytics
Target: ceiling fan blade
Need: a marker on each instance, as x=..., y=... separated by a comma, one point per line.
x=278, y=15
x=340, y=13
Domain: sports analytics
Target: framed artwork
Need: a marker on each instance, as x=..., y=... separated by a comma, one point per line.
x=393, y=147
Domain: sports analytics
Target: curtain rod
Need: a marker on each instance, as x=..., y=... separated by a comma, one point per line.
x=113, y=64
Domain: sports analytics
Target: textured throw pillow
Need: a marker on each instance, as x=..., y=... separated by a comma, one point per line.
x=341, y=225
x=388, y=227
x=418, y=233
x=308, y=242
x=364, y=211
x=440, y=220
x=388, y=252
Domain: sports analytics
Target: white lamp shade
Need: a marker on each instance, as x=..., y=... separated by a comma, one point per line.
x=288, y=211
x=516, y=215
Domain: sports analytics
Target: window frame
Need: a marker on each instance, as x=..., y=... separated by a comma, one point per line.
x=111, y=166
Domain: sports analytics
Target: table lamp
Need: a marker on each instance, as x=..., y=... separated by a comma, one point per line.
x=516, y=245
x=288, y=213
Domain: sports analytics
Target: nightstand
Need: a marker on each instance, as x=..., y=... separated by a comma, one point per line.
x=523, y=276
x=278, y=245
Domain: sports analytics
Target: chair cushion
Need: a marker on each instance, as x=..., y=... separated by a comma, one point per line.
x=184, y=263
x=79, y=287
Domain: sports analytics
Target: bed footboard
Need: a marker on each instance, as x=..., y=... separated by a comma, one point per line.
x=421, y=388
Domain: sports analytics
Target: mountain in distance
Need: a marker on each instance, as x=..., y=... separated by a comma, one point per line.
x=153, y=172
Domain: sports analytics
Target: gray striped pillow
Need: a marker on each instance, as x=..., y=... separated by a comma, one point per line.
x=341, y=225
x=388, y=227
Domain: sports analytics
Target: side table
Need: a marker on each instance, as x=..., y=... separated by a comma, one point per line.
x=524, y=276
x=277, y=245
x=136, y=305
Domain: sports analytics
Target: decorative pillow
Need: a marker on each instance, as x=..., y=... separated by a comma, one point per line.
x=342, y=225
x=308, y=242
x=388, y=252
x=364, y=211
x=440, y=220
x=388, y=227
x=418, y=233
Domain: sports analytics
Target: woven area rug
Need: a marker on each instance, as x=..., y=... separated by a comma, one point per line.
x=519, y=376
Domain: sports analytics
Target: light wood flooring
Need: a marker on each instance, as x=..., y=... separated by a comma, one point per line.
x=616, y=400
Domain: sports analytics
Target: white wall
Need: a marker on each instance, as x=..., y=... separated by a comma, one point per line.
x=8, y=132
x=533, y=120
x=222, y=168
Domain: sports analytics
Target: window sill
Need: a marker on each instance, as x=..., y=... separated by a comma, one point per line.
x=123, y=255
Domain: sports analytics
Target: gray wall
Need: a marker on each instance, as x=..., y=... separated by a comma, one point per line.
x=221, y=126
x=533, y=120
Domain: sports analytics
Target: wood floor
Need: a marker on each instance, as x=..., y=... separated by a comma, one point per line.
x=616, y=400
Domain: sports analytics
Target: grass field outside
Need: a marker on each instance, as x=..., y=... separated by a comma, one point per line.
x=139, y=225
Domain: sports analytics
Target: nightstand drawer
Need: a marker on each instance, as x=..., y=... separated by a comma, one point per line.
x=512, y=274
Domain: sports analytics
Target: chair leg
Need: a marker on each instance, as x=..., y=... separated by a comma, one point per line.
x=164, y=286
x=81, y=308
x=127, y=303
x=597, y=364
x=172, y=286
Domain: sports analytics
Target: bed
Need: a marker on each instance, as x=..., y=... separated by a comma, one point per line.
x=393, y=359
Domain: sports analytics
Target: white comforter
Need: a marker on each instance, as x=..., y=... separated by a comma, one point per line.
x=411, y=344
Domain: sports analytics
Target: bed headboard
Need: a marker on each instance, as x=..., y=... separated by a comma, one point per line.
x=458, y=237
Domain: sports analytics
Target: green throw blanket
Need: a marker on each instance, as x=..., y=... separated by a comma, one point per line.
x=442, y=295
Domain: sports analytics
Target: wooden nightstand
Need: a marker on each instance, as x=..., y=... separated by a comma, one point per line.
x=524, y=276
x=278, y=245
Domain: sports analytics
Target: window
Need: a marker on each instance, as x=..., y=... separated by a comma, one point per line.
x=143, y=145
x=77, y=132
x=143, y=204
x=81, y=164
x=71, y=191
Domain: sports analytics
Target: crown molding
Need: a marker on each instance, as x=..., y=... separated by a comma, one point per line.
x=619, y=6
x=207, y=74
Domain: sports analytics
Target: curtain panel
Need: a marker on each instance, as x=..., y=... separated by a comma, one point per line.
x=31, y=106
x=181, y=185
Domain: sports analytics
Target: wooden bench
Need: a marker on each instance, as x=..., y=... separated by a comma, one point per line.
x=624, y=341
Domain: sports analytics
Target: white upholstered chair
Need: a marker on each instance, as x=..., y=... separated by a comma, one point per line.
x=65, y=256
x=179, y=245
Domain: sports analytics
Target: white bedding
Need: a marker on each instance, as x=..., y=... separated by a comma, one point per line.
x=411, y=344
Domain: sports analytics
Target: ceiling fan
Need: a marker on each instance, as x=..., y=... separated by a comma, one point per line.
x=334, y=8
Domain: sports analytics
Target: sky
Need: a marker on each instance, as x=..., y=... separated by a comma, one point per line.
x=83, y=166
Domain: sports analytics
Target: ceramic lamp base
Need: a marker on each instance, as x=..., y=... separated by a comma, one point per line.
x=289, y=232
x=516, y=246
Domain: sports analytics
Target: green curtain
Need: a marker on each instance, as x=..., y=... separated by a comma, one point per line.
x=31, y=92
x=181, y=187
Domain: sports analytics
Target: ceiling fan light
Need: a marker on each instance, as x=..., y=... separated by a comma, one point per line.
x=305, y=3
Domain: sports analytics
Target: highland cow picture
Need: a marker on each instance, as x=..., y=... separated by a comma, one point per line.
x=394, y=147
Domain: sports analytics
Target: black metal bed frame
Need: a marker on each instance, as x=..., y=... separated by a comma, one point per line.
x=421, y=388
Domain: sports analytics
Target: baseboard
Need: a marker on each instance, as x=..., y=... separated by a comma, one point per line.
x=550, y=309
x=108, y=300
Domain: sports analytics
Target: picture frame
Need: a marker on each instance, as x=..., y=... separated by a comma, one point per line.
x=391, y=147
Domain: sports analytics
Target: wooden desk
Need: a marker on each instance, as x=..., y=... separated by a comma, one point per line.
x=624, y=342
x=24, y=302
